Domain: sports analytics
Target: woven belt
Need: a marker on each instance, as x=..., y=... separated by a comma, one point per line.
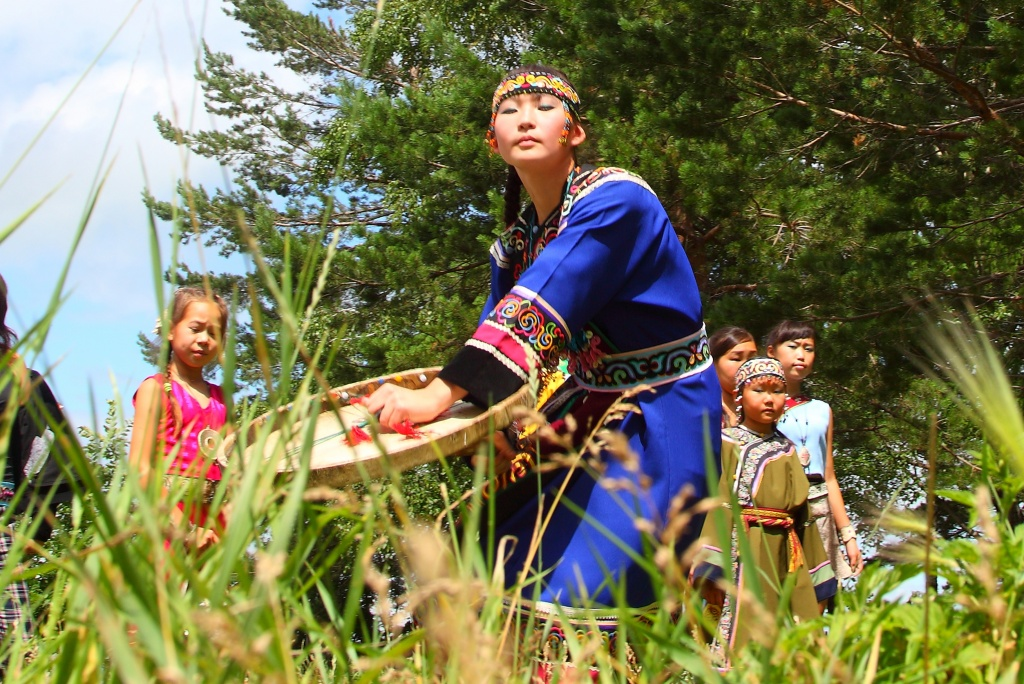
x=773, y=517
x=652, y=366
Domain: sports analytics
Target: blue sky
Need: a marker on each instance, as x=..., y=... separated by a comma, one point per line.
x=45, y=47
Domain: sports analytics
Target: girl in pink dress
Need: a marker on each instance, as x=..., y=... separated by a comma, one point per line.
x=184, y=415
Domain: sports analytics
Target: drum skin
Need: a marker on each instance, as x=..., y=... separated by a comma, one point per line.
x=325, y=431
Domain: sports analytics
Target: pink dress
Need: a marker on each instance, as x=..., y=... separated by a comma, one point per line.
x=188, y=461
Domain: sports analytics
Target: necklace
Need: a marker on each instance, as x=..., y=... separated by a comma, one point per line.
x=794, y=423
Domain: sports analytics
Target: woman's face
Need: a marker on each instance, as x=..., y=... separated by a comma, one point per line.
x=730, y=362
x=527, y=129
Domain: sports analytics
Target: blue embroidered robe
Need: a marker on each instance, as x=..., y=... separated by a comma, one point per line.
x=605, y=283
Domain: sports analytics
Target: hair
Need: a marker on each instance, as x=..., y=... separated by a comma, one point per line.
x=791, y=330
x=726, y=338
x=7, y=336
x=184, y=296
x=513, y=184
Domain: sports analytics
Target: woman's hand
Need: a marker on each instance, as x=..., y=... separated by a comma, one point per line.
x=395, y=404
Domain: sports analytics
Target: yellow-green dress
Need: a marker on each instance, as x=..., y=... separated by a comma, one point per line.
x=767, y=480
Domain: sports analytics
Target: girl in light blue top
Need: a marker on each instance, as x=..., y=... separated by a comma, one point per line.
x=808, y=424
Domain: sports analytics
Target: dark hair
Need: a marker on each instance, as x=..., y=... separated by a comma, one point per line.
x=726, y=338
x=513, y=184
x=513, y=196
x=791, y=330
x=7, y=336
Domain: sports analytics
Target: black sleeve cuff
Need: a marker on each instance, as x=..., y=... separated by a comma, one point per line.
x=486, y=379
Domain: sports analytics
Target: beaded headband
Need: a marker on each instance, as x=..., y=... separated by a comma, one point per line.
x=758, y=368
x=537, y=82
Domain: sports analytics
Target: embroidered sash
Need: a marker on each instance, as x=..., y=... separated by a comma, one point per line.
x=652, y=366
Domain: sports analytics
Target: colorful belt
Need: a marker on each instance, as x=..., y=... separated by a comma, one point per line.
x=773, y=517
x=652, y=366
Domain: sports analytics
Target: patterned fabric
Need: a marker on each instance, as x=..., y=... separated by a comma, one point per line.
x=753, y=369
x=653, y=366
x=541, y=331
x=536, y=82
x=6, y=493
x=770, y=488
x=582, y=184
x=526, y=315
x=523, y=241
x=770, y=517
x=612, y=279
x=14, y=611
x=826, y=525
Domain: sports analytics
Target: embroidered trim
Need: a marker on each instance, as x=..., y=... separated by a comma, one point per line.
x=756, y=453
x=586, y=183
x=547, y=610
x=521, y=243
x=586, y=349
x=532, y=322
x=498, y=253
x=652, y=366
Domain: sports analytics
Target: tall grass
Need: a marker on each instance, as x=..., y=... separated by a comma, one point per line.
x=322, y=585
x=357, y=585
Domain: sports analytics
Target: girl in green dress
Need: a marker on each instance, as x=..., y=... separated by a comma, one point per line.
x=763, y=478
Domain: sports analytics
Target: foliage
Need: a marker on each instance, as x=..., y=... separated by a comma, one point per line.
x=120, y=597
x=831, y=161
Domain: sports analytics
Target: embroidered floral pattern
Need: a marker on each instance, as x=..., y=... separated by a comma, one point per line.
x=521, y=244
x=527, y=320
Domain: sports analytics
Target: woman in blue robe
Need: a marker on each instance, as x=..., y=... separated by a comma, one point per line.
x=603, y=282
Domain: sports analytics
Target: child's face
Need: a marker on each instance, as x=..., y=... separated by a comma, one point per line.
x=796, y=357
x=763, y=401
x=195, y=339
